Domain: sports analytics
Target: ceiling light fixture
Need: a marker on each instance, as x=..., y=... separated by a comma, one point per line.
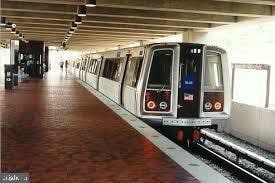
x=12, y=25
x=71, y=30
x=74, y=26
x=81, y=10
x=13, y=30
x=3, y=21
x=77, y=20
x=91, y=3
x=8, y=27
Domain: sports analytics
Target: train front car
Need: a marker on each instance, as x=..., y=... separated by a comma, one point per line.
x=185, y=86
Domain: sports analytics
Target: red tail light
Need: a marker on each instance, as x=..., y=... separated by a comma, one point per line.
x=218, y=106
x=151, y=105
x=157, y=100
x=213, y=101
x=180, y=135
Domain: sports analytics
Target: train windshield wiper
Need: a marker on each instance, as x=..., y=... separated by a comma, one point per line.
x=161, y=89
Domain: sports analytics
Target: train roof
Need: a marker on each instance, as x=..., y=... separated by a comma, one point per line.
x=136, y=51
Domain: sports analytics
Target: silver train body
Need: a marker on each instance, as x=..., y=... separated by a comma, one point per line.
x=174, y=84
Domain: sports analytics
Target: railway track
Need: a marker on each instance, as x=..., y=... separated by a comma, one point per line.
x=234, y=166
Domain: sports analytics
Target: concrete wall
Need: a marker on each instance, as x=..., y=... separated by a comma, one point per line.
x=253, y=124
x=251, y=43
x=4, y=59
x=248, y=43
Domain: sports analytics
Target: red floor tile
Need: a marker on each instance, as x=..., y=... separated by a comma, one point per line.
x=59, y=132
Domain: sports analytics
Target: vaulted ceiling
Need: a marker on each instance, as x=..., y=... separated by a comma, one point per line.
x=119, y=22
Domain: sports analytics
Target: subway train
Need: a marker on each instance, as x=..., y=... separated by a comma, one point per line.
x=181, y=86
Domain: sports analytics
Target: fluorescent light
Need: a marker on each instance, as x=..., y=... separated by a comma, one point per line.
x=12, y=25
x=8, y=27
x=91, y=3
x=81, y=10
x=13, y=30
x=3, y=21
x=71, y=31
x=74, y=26
x=77, y=20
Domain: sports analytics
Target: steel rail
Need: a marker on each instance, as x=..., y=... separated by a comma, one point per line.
x=248, y=176
x=241, y=152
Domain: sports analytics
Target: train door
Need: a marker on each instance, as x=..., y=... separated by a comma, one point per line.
x=99, y=66
x=129, y=87
x=80, y=67
x=87, y=68
x=189, y=87
x=123, y=83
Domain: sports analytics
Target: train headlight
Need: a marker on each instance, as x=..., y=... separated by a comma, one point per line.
x=151, y=105
x=208, y=106
x=163, y=105
x=218, y=106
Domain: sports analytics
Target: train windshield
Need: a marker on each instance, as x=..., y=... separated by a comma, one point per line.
x=213, y=79
x=160, y=73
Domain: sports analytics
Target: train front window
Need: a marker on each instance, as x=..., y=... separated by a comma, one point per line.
x=160, y=73
x=213, y=79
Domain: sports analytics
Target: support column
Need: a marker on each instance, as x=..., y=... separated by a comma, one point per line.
x=141, y=43
x=189, y=36
x=14, y=51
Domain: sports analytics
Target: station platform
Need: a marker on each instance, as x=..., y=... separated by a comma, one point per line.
x=56, y=130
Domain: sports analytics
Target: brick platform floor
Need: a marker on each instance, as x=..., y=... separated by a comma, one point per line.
x=59, y=132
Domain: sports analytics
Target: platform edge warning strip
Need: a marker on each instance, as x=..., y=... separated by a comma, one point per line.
x=191, y=164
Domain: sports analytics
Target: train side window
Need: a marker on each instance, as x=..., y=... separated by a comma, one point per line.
x=84, y=65
x=94, y=66
x=213, y=79
x=133, y=71
x=160, y=76
x=107, y=68
x=91, y=67
x=97, y=66
x=112, y=68
x=117, y=69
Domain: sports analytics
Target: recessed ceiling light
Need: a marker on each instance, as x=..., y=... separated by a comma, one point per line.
x=3, y=21
x=74, y=26
x=71, y=30
x=81, y=10
x=12, y=25
x=90, y=3
x=77, y=19
x=13, y=30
